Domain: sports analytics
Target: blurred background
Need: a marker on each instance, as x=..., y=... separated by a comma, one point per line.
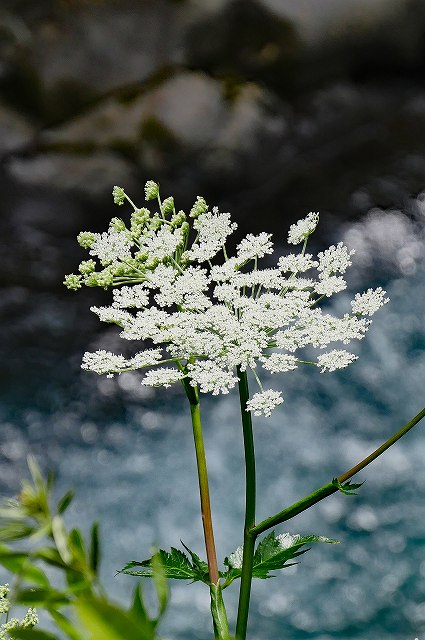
x=269, y=109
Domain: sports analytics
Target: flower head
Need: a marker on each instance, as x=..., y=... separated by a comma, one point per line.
x=300, y=231
x=204, y=314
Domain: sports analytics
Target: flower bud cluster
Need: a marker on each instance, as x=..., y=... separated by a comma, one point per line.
x=29, y=620
x=206, y=313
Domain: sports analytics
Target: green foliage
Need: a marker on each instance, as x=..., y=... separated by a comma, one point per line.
x=175, y=565
x=32, y=518
x=272, y=553
x=349, y=488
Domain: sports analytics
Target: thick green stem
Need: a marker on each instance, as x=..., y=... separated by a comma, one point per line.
x=218, y=612
x=221, y=627
x=250, y=492
x=328, y=489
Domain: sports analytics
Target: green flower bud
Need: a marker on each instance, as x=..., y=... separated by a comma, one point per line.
x=87, y=266
x=168, y=205
x=85, y=239
x=141, y=256
x=178, y=219
x=138, y=219
x=199, y=207
x=117, y=224
x=151, y=190
x=72, y=281
x=105, y=278
x=155, y=223
x=119, y=195
x=151, y=263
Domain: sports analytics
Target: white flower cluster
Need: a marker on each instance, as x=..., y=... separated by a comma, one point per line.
x=207, y=319
x=29, y=620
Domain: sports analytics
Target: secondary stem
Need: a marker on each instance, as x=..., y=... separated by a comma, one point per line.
x=330, y=488
x=218, y=611
x=204, y=491
x=250, y=492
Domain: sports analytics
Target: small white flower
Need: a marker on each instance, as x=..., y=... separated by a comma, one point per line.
x=103, y=362
x=329, y=285
x=336, y=259
x=335, y=359
x=296, y=263
x=163, y=243
x=111, y=246
x=213, y=230
x=299, y=231
x=254, y=247
x=366, y=304
x=163, y=377
x=279, y=362
x=136, y=296
x=263, y=403
x=287, y=540
x=210, y=377
x=236, y=558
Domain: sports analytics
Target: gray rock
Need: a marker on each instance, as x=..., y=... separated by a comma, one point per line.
x=93, y=175
x=15, y=131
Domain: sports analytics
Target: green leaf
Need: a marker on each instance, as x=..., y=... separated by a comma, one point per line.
x=176, y=565
x=94, y=548
x=31, y=634
x=199, y=566
x=50, y=556
x=348, y=487
x=76, y=546
x=61, y=539
x=161, y=585
x=36, y=473
x=14, y=530
x=64, y=502
x=65, y=625
x=47, y=598
x=19, y=563
x=138, y=609
x=108, y=622
x=272, y=553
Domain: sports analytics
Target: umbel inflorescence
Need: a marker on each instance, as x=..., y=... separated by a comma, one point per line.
x=204, y=313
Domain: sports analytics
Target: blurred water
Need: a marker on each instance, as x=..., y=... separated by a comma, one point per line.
x=128, y=453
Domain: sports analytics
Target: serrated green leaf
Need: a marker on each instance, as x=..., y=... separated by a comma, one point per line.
x=65, y=501
x=348, y=488
x=272, y=553
x=176, y=565
x=199, y=566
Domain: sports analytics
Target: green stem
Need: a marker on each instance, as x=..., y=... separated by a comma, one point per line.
x=221, y=628
x=250, y=492
x=330, y=488
x=218, y=612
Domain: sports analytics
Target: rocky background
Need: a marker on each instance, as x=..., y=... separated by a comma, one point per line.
x=269, y=108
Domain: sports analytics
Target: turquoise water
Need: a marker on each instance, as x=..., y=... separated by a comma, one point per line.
x=128, y=453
